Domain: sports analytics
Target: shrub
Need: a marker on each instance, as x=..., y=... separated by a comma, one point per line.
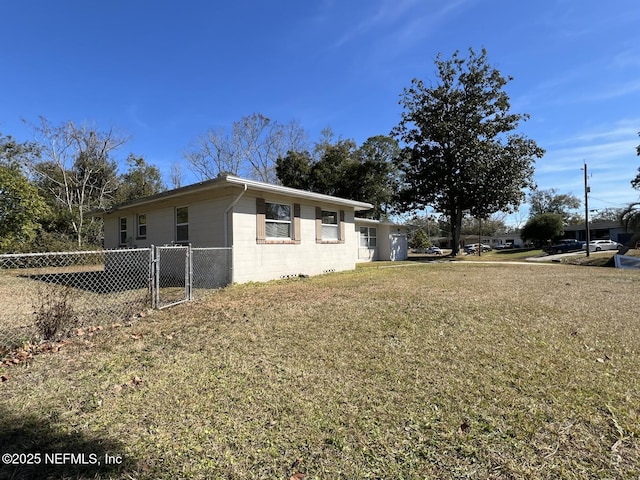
x=541, y=228
x=419, y=240
x=54, y=313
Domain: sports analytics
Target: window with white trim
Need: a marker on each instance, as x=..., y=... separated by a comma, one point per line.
x=368, y=237
x=182, y=224
x=277, y=220
x=123, y=230
x=142, y=225
x=330, y=230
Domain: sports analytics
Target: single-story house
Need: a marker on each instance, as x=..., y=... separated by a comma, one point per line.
x=274, y=231
x=494, y=241
x=599, y=230
x=498, y=241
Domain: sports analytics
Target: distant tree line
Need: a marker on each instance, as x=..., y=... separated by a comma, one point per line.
x=49, y=187
x=455, y=151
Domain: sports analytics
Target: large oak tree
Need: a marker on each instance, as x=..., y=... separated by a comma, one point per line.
x=461, y=155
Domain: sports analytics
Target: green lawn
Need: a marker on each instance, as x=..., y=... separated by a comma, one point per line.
x=441, y=370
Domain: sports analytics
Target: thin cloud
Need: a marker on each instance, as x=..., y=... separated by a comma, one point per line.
x=386, y=13
x=627, y=58
x=601, y=155
x=408, y=20
x=132, y=113
x=622, y=129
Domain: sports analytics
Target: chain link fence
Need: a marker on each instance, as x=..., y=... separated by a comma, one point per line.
x=211, y=268
x=48, y=295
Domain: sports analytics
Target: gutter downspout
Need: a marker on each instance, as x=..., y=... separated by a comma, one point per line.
x=226, y=215
x=226, y=226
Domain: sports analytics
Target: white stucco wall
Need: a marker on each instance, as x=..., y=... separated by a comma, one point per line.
x=253, y=261
x=384, y=233
x=206, y=223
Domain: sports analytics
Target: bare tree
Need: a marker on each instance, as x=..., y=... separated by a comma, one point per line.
x=175, y=175
x=250, y=149
x=76, y=170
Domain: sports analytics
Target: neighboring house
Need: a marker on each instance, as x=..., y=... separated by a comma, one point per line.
x=602, y=230
x=498, y=241
x=275, y=231
x=380, y=240
x=494, y=241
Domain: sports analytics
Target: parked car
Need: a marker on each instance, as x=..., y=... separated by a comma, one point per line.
x=507, y=246
x=564, y=246
x=434, y=250
x=473, y=247
x=598, y=245
x=470, y=249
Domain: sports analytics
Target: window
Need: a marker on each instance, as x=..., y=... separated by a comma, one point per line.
x=368, y=237
x=330, y=230
x=142, y=225
x=123, y=230
x=182, y=224
x=329, y=226
x=277, y=220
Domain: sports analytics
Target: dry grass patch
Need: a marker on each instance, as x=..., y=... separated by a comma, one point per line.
x=425, y=371
x=34, y=300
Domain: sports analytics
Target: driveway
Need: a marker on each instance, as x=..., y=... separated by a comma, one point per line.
x=555, y=257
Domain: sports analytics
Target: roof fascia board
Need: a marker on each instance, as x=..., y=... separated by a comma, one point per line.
x=294, y=192
x=231, y=180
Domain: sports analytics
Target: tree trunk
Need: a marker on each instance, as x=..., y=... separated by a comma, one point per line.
x=456, y=227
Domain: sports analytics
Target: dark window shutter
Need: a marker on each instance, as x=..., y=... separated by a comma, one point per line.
x=261, y=209
x=296, y=223
x=318, y=225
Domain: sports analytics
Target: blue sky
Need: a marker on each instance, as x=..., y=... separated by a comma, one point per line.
x=164, y=72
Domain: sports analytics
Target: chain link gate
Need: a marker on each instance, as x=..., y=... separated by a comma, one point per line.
x=173, y=277
x=180, y=270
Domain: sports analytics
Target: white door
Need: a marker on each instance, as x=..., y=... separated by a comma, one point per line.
x=398, y=247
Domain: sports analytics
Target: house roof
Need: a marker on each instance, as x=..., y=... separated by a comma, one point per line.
x=597, y=225
x=254, y=185
x=370, y=221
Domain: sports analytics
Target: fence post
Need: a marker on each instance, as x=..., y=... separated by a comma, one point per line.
x=156, y=263
x=189, y=274
x=152, y=276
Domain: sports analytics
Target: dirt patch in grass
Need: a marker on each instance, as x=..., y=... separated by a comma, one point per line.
x=443, y=370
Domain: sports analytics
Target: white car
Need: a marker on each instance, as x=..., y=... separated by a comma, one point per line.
x=598, y=245
x=434, y=250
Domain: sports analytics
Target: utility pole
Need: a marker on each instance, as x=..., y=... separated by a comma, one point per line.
x=586, y=208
